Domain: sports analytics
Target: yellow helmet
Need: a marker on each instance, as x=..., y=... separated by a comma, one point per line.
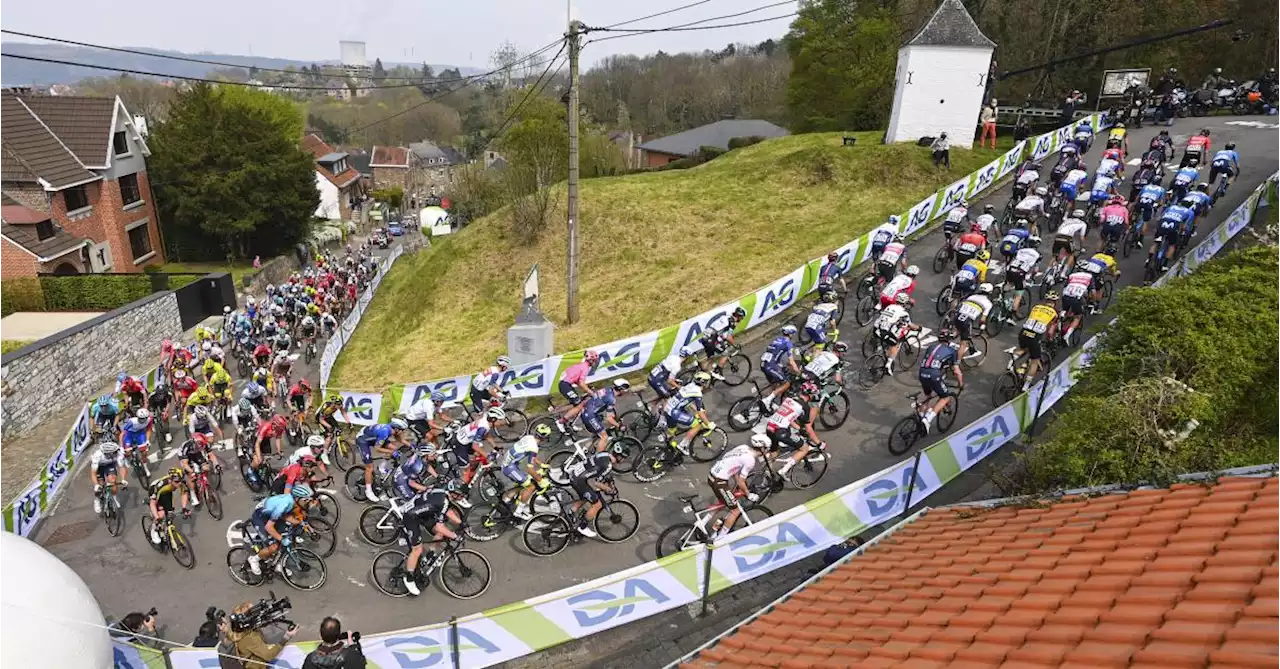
x=984, y=255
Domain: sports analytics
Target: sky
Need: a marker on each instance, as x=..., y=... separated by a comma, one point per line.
x=452, y=32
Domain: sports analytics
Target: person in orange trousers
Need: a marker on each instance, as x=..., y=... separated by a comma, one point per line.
x=988, y=119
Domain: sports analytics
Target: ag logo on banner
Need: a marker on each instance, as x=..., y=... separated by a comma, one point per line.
x=918, y=216
x=623, y=357
x=454, y=391
x=777, y=296
x=363, y=408
x=1010, y=159
x=1042, y=147
x=692, y=329
x=984, y=178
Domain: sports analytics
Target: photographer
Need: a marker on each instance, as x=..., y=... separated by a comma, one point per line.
x=336, y=650
x=254, y=634
x=138, y=628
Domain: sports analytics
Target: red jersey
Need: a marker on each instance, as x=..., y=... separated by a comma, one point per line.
x=182, y=355
x=293, y=473
x=1200, y=141
x=351, y=291
x=970, y=242
x=309, y=281
x=297, y=391
x=262, y=351
x=185, y=386
x=131, y=386
x=268, y=430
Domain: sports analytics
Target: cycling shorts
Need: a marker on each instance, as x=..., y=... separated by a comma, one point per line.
x=964, y=286
x=964, y=328
x=570, y=393
x=1031, y=343
x=877, y=248
x=365, y=446
x=1069, y=191
x=774, y=373
x=933, y=382
x=582, y=486
x=1074, y=306
x=414, y=524
x=516, y=472
x=721, y=490
x=594, y=422
x=299, y=402
x=784, y=439
x=131, y=439
x=1112, y=232
x=886, y=270
x=1016, y=278
x=680, y=419
x=1063, y=244
x=479, y=398
x=107, y=468
x=1220, y=167
x=714, y=344
x=818, y=336
x=661, y=388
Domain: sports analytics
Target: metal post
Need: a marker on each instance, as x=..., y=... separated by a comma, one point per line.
x=706, y=581
x=1035, y=417
x=574, y=49
x=453, y=642
x=911, y=487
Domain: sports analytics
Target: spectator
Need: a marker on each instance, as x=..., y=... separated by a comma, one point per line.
x=138, y=628
x=336, y=650
x=208, y=636
x=1021, y=131
x=1069, y=105
x=252, y=649
x=988, y=118
x=257, y=262
x=941, y=151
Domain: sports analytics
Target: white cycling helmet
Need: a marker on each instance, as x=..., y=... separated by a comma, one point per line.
x=109, y=447
x=495, y=413
x=913, y=270
x=1079, y=213
x=686, y=351
x=985, y=288
x=399, y=424
x=315, y=441
x=760, y=442
x=1042, y=191
x=200, y=411
x=621, y=385
x=226, y=309
x=143, y=414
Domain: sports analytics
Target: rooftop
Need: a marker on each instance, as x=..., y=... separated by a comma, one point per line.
x=32, y=151
x=84, y=124
x=20, y=225
x=390, y=156
x=950, y=25
x=715, y=134
x=311, y=143
x=1184, y=576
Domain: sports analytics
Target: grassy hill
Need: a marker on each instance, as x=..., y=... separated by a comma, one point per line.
x=656, y=248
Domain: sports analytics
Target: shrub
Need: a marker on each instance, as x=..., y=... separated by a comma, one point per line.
x=25, y=294
x=739, y=142
x=710, y=152
x=96, y=292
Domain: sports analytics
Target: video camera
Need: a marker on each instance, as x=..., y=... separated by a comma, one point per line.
x=264, y=612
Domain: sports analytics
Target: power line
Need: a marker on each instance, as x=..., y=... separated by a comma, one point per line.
x=654, y=16
x=682, y=28
x=528, y=94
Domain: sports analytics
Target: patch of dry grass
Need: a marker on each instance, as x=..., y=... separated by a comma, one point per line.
x=656, y=248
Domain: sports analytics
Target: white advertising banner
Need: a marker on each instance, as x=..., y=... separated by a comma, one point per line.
x=774, y=298
x=918, y=216
x=363, y=408
x=625, y=356
x=692, y=328
x=454, y=391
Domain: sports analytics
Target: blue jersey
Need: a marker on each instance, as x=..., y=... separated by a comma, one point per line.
x=940, y=356
x=375, y=434
x=829, y=273
x=778, y=351
x=882, y=236
x=967, y=272
x=408, y=470
x=1084, y=130
x=106, y=407
x=276, y=506
x=1013, y=240
x=1178, y=214
x=1226, y=157
x=136, y=425
x=1185, y=176
x=1151, y=194
x=1202, y=201
x=1103, y=184
x=601, y=401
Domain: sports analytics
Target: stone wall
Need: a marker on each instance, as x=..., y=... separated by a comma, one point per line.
x=66, y=368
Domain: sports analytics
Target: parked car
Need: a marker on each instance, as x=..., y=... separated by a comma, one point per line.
x=395, y=228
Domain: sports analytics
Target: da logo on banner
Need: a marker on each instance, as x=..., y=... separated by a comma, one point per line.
x=761, y=550
x=597, y=607
x=422, y=650
x=883, y=495
x=984, y=437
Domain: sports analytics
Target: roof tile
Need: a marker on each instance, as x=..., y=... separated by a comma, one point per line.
x=1172, y=654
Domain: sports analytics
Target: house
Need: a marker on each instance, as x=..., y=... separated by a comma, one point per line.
x=941, y=77
x=360, y=160
x=73, y=170
x=393, y=166
x=627, y=142
x=337, y=89
x=1183, y=576
x=436, y=163
x=337, y=181
x=660, y=151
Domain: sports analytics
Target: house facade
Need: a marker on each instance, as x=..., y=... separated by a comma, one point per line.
x=337, y=181
x=436, y=164
x=394, y=166
x=76, y=194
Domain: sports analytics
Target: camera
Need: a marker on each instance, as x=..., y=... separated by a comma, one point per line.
x=265, y=612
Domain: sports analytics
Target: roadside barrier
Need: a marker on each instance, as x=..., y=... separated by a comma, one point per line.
x=641, y=352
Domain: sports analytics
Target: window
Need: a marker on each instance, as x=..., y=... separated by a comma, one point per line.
x=45, y=230
x=129, y=192
x=339, y=167
x=76, y=197
x=139, y=241
x=120, y=143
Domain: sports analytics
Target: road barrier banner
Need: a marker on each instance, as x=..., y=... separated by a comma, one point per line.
x=131, y=656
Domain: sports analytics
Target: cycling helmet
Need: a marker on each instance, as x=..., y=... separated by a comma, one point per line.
x=200, y=438
x=301, y=491
x=833, y=256
x=226, y=309
x=1078, y=213
x=307, y=320
x=985, y=288
x=206, y=346
x=989, y=209
x=1051, y=296
x=399, y=424
x=279, y=300
x=307, y=460
x=179, y=375
x=913, y=270
x=739, y=313
x=1231, y=146
x=426, y=449
x=902, y=298
x=455, y=487
x=1033, y=241
x=899, y=237
x=542, y=430
x=1082, y=264
x=945, y=334
x=304, y=384
x=1164, y=133
x=201, y=411
x=503, y=361
x=841, y=347
x=963, y=203
x=1204, y=131
x=702, y=378
x=591, y=357
x=495, y=413
x=788, y=330
x=109, y=448
x=337, y=399
x=984, y=255
x=1110, y=250
x=315, y=441
x=1202, y=187
x=437, y=397
x=251, y=301
x=1042, y=191
x=143, y=414
x=1120, y=126
x=621, y=385
x=176, y=473
x=245, y=405
x=760, y=442
x=808, y=389
x=828, y=296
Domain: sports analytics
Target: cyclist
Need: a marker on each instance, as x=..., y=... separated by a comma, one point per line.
x=307, y=330
x=902, y=283
x=1112, y=164
x=791, y=425
x=194, y=454
x=728, y=479
x=408, y=479
x=1148, y=172
x=893, y=258
x=821, y=322
x=1027, y=178
x=1032, y=207
x=601, y=412
x=273, y=517
x=1068, y=159
x=1175, y=219
x=295, y=473
x=1079, y=284
x=892, y=327
x=106, y=411
x=938, y=358
x=1104, y=187
x=589, y=478
x=1182, y=182
x=521, y=466
x=381, y=439
x=160, y=502
x=831, y=270
x=1041, y=325
x=133, y=434
x=1162, y=143
x=684, y=411
x=314, y=448
x=1102, y=265
x=1116, y=139
x=1197, y=149
x=281, y=368
x=573, y=387
x=261, y=354
x=986, y=223
x=968, y=246
x=1073, y=186
x=967, y=278
x=467, y=444
x=272, y=431
x=428, y=513
x=882, y=236
x=1020, y=268
x=325, y=416
x=828, y=365
x=662, y=378
x=1115, y=221
x=1225, y=162
x=107, y=467
x=1150, y=198
x=778, y=362
x=421, y=416
x=1083, y=136
x=958, y=218
x=1070, y=237
x=972, y=313
x=132, y=391
x=300, y=399
x=717, y=338
x=486, y=386
x=1199, y=200
x=201, y=421
x=1014, y=239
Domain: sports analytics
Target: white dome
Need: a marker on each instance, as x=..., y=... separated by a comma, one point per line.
x=42, y=605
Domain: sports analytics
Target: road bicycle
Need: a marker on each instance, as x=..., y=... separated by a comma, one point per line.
x=765, y=480
x=625, y=462
x=205, y=484
x=515, y=426
x=681, y=536
x=911, y=429
x=945, y=255
x=342, y=452
x=833, y=404
x=309, y=350
x=382, y=484
x=171, y=539
x=112, y=514
x=297, y=430
x=138, y=467
x=488, y=521
x=1219, y=190
x=301, y=568
x=549, y=533
x=875, y=368
x=657, y=459
x=256, y=478
x=735, y=370
x=382, y=523
x=869, y=284
x=747, y=411
x=641, y=421
x=461, y=572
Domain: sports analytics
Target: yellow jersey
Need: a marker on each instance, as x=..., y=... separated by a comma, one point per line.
x=1101, y=261
x=1116, y=133
x=1039, y=320
x=220, y=378
x=201, y=397
x=213, y=368
x=978, y=266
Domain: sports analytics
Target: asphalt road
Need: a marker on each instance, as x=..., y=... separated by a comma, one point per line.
x=125, y=574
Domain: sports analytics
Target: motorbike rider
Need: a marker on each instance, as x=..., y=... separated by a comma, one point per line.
x=1215, y=81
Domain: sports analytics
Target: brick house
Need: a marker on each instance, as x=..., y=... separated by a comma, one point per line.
x=394, y=166
x=73, y=170
x=663, y=150
x=436, y=163
x=336, y=179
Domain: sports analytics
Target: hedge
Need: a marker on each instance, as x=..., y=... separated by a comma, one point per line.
x=24, y=294
x=739, y=142
x=104, y=292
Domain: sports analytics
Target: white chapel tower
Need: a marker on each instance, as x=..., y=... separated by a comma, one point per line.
x=941, y=77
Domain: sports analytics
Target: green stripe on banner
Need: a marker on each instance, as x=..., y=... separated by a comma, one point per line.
x=973, y=178
x=684, y=568
x=395, y=394
x=8, y=519
x=943, y=460
x=526, y=624
x=937, y=204
x=810, y=276
x=662, y=346
x=567, y=360
x=384, y=412
x=834, y=515
x=1022, y=409
x=718, y=581
x=748, y=304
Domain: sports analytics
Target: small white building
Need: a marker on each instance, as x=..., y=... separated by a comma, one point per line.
x=942, y=74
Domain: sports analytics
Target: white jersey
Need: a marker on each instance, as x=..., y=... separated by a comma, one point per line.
x=737, y=462
x=786, y=414
x=884, y=234
x=671, y=364
x=984, y=222
x=899, y=283
x=1075, y=178
x=974, y=307
x=822, y=314
x=822, y=364
x=1031, y=204
x=893, y=252
x=473, y=431
x=1028, y=177
x=891, y=317
x=1077, y=284
x=99, y=458
x=1072, y=227
x=305, y=451
x=1108, y=167
x=423, y=409
x=957, y=214
x=1025, y=260
x=486, y=378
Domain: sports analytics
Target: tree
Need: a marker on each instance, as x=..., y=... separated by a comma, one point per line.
x=229, y=177
x=393, y=196
x=842, y=66
x=141, y=96
x=379, y=73
x=427, y=74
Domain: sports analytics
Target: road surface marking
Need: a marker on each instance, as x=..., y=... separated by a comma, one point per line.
x=235, y=535
x=1133, y=161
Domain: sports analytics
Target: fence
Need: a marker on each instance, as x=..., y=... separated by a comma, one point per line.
x=640, y=352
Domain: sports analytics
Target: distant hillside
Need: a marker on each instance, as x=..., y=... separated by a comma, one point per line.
x=29, y=73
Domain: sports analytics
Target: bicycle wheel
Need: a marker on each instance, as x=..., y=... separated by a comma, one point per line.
x=617, y=521
x=370, y=530
x=180, y=546
x=327, y=508
x=488, y=485
x=736, y=370
x=865, y=310
x=808, y=471
x=651, y=466
x=485, y=522
x=546, y=534
x=751, y=512
x=212, y=503
x=908, y=353
x=343, y=455
x=319, y=537
x=516, y=426
x=904, y=435
x=940, y=260
x=637, y=423
x=556, y=464
x=353, y=484
x=465, y=574
x=995, y=320
x=238, y=565
x=942, y=304
x=976, y=353
x=147, y=523
x=1108, y=289
x=947, y=416
x=307, y=354
x=677, y=538
x=303, y=569
x=871, y=344
x=872, y=372
x=745, y=413
x=866, y=285
x=763, y=485
x=631, y=448
x=708, y=446
x=1006, y=389
x=834, y=410
x=113, y=516
x=386, y=572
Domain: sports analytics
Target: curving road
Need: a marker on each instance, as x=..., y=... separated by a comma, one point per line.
x=125, y=574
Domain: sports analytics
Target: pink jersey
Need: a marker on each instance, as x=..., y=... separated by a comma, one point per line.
x=892, y=252
x=1114, y=213
x=900, y=284
x=576, y=373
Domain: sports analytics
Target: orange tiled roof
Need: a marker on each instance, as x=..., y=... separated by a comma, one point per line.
x=1159, y=579
x=317, y=147
x=389, y=156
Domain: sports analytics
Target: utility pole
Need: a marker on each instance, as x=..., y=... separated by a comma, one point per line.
x=574, y=47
